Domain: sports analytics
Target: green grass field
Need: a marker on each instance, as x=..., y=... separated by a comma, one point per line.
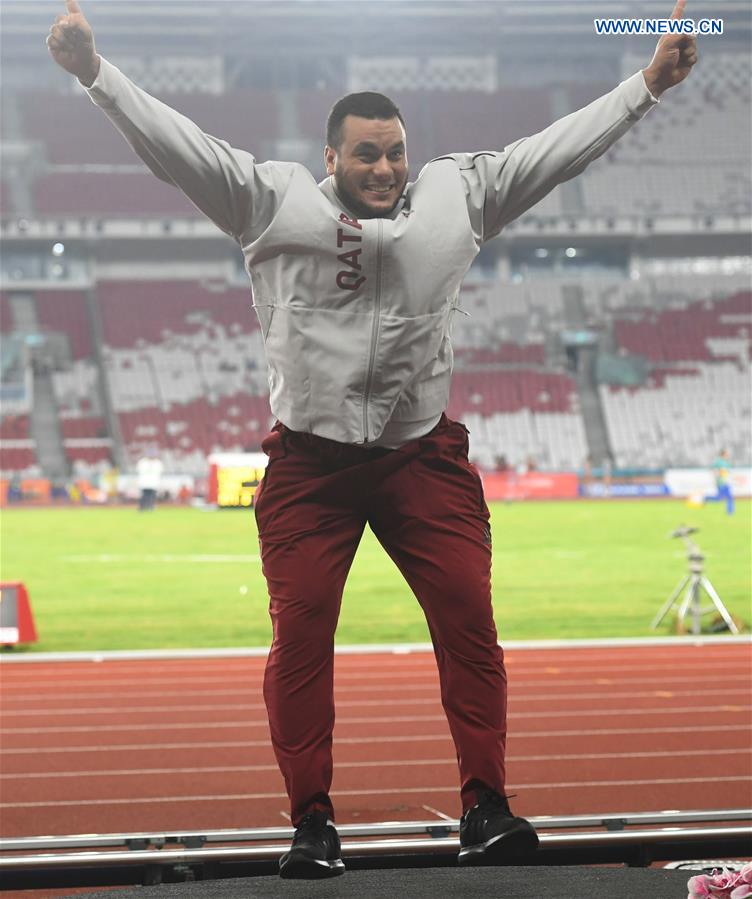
x=181, y=577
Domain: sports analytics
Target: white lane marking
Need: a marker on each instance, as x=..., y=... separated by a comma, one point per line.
x=202, y=558
x=361, y=703
x=356, y=652
x=389, y=763
x=400, y=688
x=396, y=719
x=379, y=791
x=192, y=675
x=404, y=738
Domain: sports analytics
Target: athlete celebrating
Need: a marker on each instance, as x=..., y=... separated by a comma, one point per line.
x=355, y=282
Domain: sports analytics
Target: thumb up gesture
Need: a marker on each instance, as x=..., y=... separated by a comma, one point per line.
x=673, y=59
x=71, y=44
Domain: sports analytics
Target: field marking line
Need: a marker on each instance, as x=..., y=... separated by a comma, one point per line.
x=62, y=710
x=397, y=719
x=378, y=791
x=431, y=674
x=404, y=738
x=387, y=648
x=388, y=763
x=236, y=691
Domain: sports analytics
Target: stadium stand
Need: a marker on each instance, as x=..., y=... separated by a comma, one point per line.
x=64, y=311
x=183, y=368
x=638, y=175
x=112, y=193
x=72, y=135
x=17, y=448
x=697, y=398
x=181, y=365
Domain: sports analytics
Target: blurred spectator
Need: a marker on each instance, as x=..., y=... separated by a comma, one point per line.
x=149, y=471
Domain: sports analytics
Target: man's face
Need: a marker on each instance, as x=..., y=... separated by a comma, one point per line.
x=370, y=165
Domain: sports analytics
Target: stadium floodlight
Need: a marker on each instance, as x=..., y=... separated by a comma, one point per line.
x=694, y=581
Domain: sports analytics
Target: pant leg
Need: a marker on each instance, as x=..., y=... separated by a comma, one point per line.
x=433, y=521
x=308, y=537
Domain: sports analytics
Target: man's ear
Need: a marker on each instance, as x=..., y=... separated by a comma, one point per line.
x=330, y=158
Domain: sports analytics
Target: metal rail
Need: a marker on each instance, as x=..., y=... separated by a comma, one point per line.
x=435, y=829
x=151, y=858
x=368, y=848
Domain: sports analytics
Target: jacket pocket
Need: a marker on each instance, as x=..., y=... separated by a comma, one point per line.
x=265, y=313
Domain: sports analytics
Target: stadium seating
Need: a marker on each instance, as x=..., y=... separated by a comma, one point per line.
x=64, y=311
x=683, y=419
x=520, y=414
x=183, y=363
x=698, y=396
x=74, y=132
x=116, y=194
x=700, y=332
x=86, y=441
x=638, y=175
x=17, y=454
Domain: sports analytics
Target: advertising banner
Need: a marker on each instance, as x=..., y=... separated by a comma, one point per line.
x=510, y=486
x=701, y=481
x=599, y=490
x=234, y=477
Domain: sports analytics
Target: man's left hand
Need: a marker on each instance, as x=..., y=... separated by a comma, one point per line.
x=673, y=59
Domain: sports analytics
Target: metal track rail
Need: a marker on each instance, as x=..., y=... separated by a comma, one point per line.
x=365, y=848
x=154, y=858
x=434, y=829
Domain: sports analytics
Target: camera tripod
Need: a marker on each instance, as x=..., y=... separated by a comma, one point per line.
x=693, y=583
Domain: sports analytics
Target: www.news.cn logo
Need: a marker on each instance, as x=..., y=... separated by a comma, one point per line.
x=658, y=26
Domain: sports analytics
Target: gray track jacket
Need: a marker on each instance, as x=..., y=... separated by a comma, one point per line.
x=356, y=315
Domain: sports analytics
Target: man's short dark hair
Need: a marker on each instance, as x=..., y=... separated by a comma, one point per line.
x=366, y=104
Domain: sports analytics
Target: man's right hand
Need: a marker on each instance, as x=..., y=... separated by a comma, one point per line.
x=71, y=44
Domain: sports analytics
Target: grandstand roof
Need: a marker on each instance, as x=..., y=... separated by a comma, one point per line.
x=287, y=27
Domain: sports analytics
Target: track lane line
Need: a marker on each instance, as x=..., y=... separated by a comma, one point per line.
x=581, y=713
x=239, y=691
x=381, y=791
x=409, y=763
x=137, y=679
x=60, y=710
x=396, y=738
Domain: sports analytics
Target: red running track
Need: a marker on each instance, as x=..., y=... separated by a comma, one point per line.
x=122, y=746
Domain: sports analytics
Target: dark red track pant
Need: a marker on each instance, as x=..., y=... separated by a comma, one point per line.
x=424, y=502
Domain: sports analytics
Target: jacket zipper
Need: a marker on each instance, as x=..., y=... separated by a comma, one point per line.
x=374, y=329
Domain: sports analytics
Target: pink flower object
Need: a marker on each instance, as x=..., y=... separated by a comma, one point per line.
x=698, y=887
x=744, y=888
x=722, y=885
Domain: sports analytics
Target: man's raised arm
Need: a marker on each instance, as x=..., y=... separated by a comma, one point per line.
x=226, y=184
x=673, y=59
x=71, y=44
x=501, y=186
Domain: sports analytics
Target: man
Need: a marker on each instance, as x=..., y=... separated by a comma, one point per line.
x=148, y=473
x=722, y=473
x=355, y=281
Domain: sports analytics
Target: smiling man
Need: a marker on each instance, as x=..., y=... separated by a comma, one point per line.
x=366, y=154
x=355, y=282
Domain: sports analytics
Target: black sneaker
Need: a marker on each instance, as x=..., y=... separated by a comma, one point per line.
x=315, y=850
x=491, y=835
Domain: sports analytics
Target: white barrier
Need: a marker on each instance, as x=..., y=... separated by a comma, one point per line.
x=691, y=481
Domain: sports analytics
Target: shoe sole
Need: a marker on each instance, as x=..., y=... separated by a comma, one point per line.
x=513, y=845
x=301, y=867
